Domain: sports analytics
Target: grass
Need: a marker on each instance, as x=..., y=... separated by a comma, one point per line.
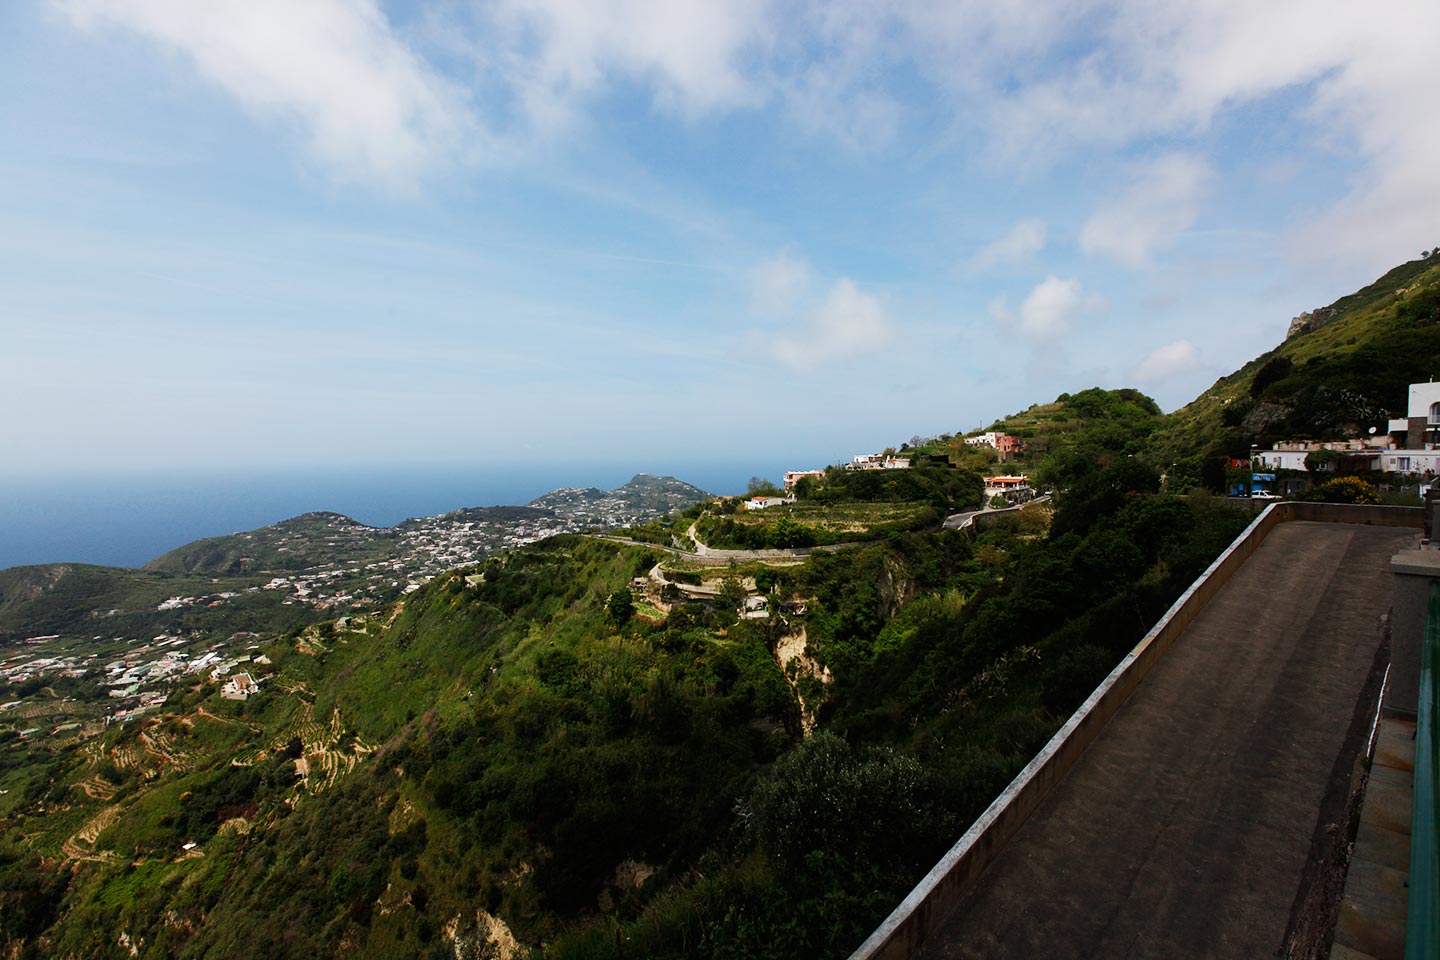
x=857, y=517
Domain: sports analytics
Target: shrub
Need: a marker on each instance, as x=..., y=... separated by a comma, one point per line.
x=1343, y=490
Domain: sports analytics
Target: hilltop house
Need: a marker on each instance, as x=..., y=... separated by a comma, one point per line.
x=1423, y=416
x=760, y=503
x=1011, y=488
x=793, y=477
x=878, y=461
x=240, y=687
x=1003, y=443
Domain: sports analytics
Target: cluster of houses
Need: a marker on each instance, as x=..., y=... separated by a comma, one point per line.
x=1411, y=445
x=877, y=461
x=861, y=461
x=1007, y=446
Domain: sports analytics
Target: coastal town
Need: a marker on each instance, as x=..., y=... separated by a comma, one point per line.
x=330, y=566
x=323, y=565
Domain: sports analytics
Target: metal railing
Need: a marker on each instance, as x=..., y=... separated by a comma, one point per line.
x=1422, y=925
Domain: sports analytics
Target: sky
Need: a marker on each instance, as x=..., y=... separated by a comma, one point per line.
x=330, y=233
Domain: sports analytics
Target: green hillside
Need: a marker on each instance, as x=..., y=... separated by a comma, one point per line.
x=81, y=600
x=292, y=544
x=1336, y=381
x=546, y=753
x=513, y=756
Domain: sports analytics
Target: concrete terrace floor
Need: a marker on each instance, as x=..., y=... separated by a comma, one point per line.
x=1192, y=825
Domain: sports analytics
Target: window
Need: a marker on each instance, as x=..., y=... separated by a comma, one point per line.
x=1434, y=414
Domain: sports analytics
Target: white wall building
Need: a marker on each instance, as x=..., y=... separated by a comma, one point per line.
x=1425, y=402
x=760, y=503
x=1281, y=459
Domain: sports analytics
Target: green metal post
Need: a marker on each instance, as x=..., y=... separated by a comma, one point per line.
x=1422, y=925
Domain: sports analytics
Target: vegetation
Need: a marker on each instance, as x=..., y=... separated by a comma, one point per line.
x=531, y=749
x=1337, y=381
x=523, y=738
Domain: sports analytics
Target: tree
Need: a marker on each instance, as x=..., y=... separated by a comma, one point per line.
x=998, y=502
x=732, y=591
x=760, y=487
x=1317, y=460
x=620, y=606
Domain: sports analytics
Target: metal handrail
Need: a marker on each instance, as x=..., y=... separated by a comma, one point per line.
x=1422, y=925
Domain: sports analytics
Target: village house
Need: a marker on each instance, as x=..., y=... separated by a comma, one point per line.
x=1011, y=488
x=1009, y=447
x=1006, y=445
x=760, y=503
x=239, y=687
x=755, y=608
x=1418, y=454
x=1423, y=416
x=793, y=477
x=877, y=461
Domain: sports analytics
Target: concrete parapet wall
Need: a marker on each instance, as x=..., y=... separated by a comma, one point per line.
x=1380, y=516
x=932, y=900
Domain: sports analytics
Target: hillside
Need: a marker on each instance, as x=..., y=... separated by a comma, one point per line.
x=523, y=757
x=642, y=496
x=576, y=748
x=295, y=571
x=81, y=602
x=1343, y=370
x=289, y=545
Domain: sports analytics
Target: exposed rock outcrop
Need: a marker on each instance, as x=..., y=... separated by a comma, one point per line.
x=1311, y=320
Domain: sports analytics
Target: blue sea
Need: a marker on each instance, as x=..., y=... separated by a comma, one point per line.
x=125, y=519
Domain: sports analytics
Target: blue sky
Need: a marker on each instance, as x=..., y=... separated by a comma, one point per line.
x=311, y=233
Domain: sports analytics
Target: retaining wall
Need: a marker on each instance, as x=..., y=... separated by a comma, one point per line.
x=940, y=891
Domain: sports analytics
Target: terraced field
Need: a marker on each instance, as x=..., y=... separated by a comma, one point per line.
x=857, y=518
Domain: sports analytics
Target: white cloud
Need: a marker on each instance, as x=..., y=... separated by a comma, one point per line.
x=847, y=323
x=1048, y=311
x=368, y=107
x=1165, y=362
x=691, y=52
x=1050, y=308
x=1162, y=203
x=1024, y=240
x=778, y=284
x=1148, y=69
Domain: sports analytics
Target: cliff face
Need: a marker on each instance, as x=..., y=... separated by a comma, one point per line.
x=1311, y=320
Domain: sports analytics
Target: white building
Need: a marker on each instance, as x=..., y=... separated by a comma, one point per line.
x=983, y=440
x=1281, y=459
x=1411, y=461
x=239, y=687
x=760, y=503
x=1425, y=402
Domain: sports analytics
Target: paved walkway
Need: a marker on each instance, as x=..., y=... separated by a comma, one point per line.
x=1188, y=828
x=1371, y=923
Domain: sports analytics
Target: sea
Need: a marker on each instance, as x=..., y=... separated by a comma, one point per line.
x=125, y=519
